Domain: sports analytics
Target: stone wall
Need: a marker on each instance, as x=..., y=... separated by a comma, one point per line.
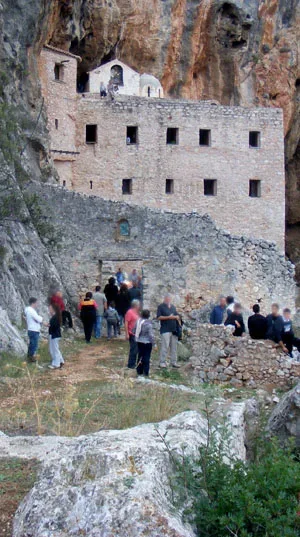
x=150, y=162
x=185, y=254
x=217, y=356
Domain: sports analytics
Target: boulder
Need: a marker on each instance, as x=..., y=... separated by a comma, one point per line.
x=112, y=483
x=284, y=421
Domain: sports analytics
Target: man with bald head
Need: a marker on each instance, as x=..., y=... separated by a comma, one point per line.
x=168, y=317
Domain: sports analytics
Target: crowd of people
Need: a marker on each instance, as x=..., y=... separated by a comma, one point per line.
x=275, y=327
x=120, y=304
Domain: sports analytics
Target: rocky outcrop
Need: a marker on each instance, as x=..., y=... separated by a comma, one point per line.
x=112, y=483
x=10, y=339
x=217, y=356
x=284, y=421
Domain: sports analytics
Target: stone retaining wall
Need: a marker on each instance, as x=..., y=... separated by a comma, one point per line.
x=217, y=356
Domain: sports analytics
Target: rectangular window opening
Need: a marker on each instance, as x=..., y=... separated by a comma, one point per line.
x=91, y=185
x=172, y=136
x=127, y=186
x=64, y=183
x=56, y=124
x=132, y=135
x=254, y=139
x=58, y=71
x=210, y=187
x=91, y=134
x=254, y=188
x=204, y=137
x=169, y=186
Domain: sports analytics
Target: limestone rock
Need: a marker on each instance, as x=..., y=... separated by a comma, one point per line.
x=284, y=421
x=10, y=338
x=112, y=483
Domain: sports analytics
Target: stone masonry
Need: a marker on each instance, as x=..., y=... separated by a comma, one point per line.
x=217, y=356
x=169, y=176
x=185, y=254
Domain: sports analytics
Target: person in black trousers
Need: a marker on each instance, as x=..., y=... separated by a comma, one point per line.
x=88, y=312
x=288, y=336
x=144, y=337
x=236, y=319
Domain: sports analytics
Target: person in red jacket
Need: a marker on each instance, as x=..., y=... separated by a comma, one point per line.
x=57, y=300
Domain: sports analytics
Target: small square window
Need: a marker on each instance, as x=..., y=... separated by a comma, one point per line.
x=56, y=124
x=169, y=186
x=91, y=134
x=172, y=136
x=254, y=139
x=132, y=135
x=254, y=188
x=210, y=187
x=127, y=186
x=58, y=71
x=204, y=137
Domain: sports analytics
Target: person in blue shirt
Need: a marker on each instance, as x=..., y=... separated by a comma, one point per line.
x=218, y=313
x=120, y=276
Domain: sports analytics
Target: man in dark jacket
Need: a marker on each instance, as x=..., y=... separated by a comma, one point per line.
x=134, y=292
x=275, y=327
x=288, y=336
x=218, y=313
x=257, y=324
x=111, y=291
x=88, y=313
x=236, y=319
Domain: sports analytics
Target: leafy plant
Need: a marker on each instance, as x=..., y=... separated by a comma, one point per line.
x=257, y=499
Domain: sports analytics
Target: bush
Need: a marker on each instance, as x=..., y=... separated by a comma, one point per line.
x=257, y=499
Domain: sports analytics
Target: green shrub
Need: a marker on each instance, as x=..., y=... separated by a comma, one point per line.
x=257, y=499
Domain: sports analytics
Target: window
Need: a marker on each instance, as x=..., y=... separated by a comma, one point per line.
x=56, y=124
x=210, y=187
x=58, y=71
x=169, y=186
x=127, y=186
x=204, y=137
x=254, y=188
x=124, y=229
x=172, y=136
x=64, y=183
x=132, y=135
x=116, y=74
x=254, y=139
x=91, y=185
x=149, y=91
x=91, y=134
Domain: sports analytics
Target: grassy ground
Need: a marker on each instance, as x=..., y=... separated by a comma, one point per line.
x=16, y=479
x=92, y=392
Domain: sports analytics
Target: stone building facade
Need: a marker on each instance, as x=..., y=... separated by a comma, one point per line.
x=182, y=156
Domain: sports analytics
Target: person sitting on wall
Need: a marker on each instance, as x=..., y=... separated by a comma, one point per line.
x=131, y=319
x=103, y=91
x=275, y=327
x=236, y=319
x=288, y=336
x=111, y=290
x=218, y=312
x=257, y=324
x=88, y=313
x=230, y=304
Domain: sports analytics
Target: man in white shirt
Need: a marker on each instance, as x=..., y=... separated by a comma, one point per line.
x=34, y=322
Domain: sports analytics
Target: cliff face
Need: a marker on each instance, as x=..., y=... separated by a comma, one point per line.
x=237, y=52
